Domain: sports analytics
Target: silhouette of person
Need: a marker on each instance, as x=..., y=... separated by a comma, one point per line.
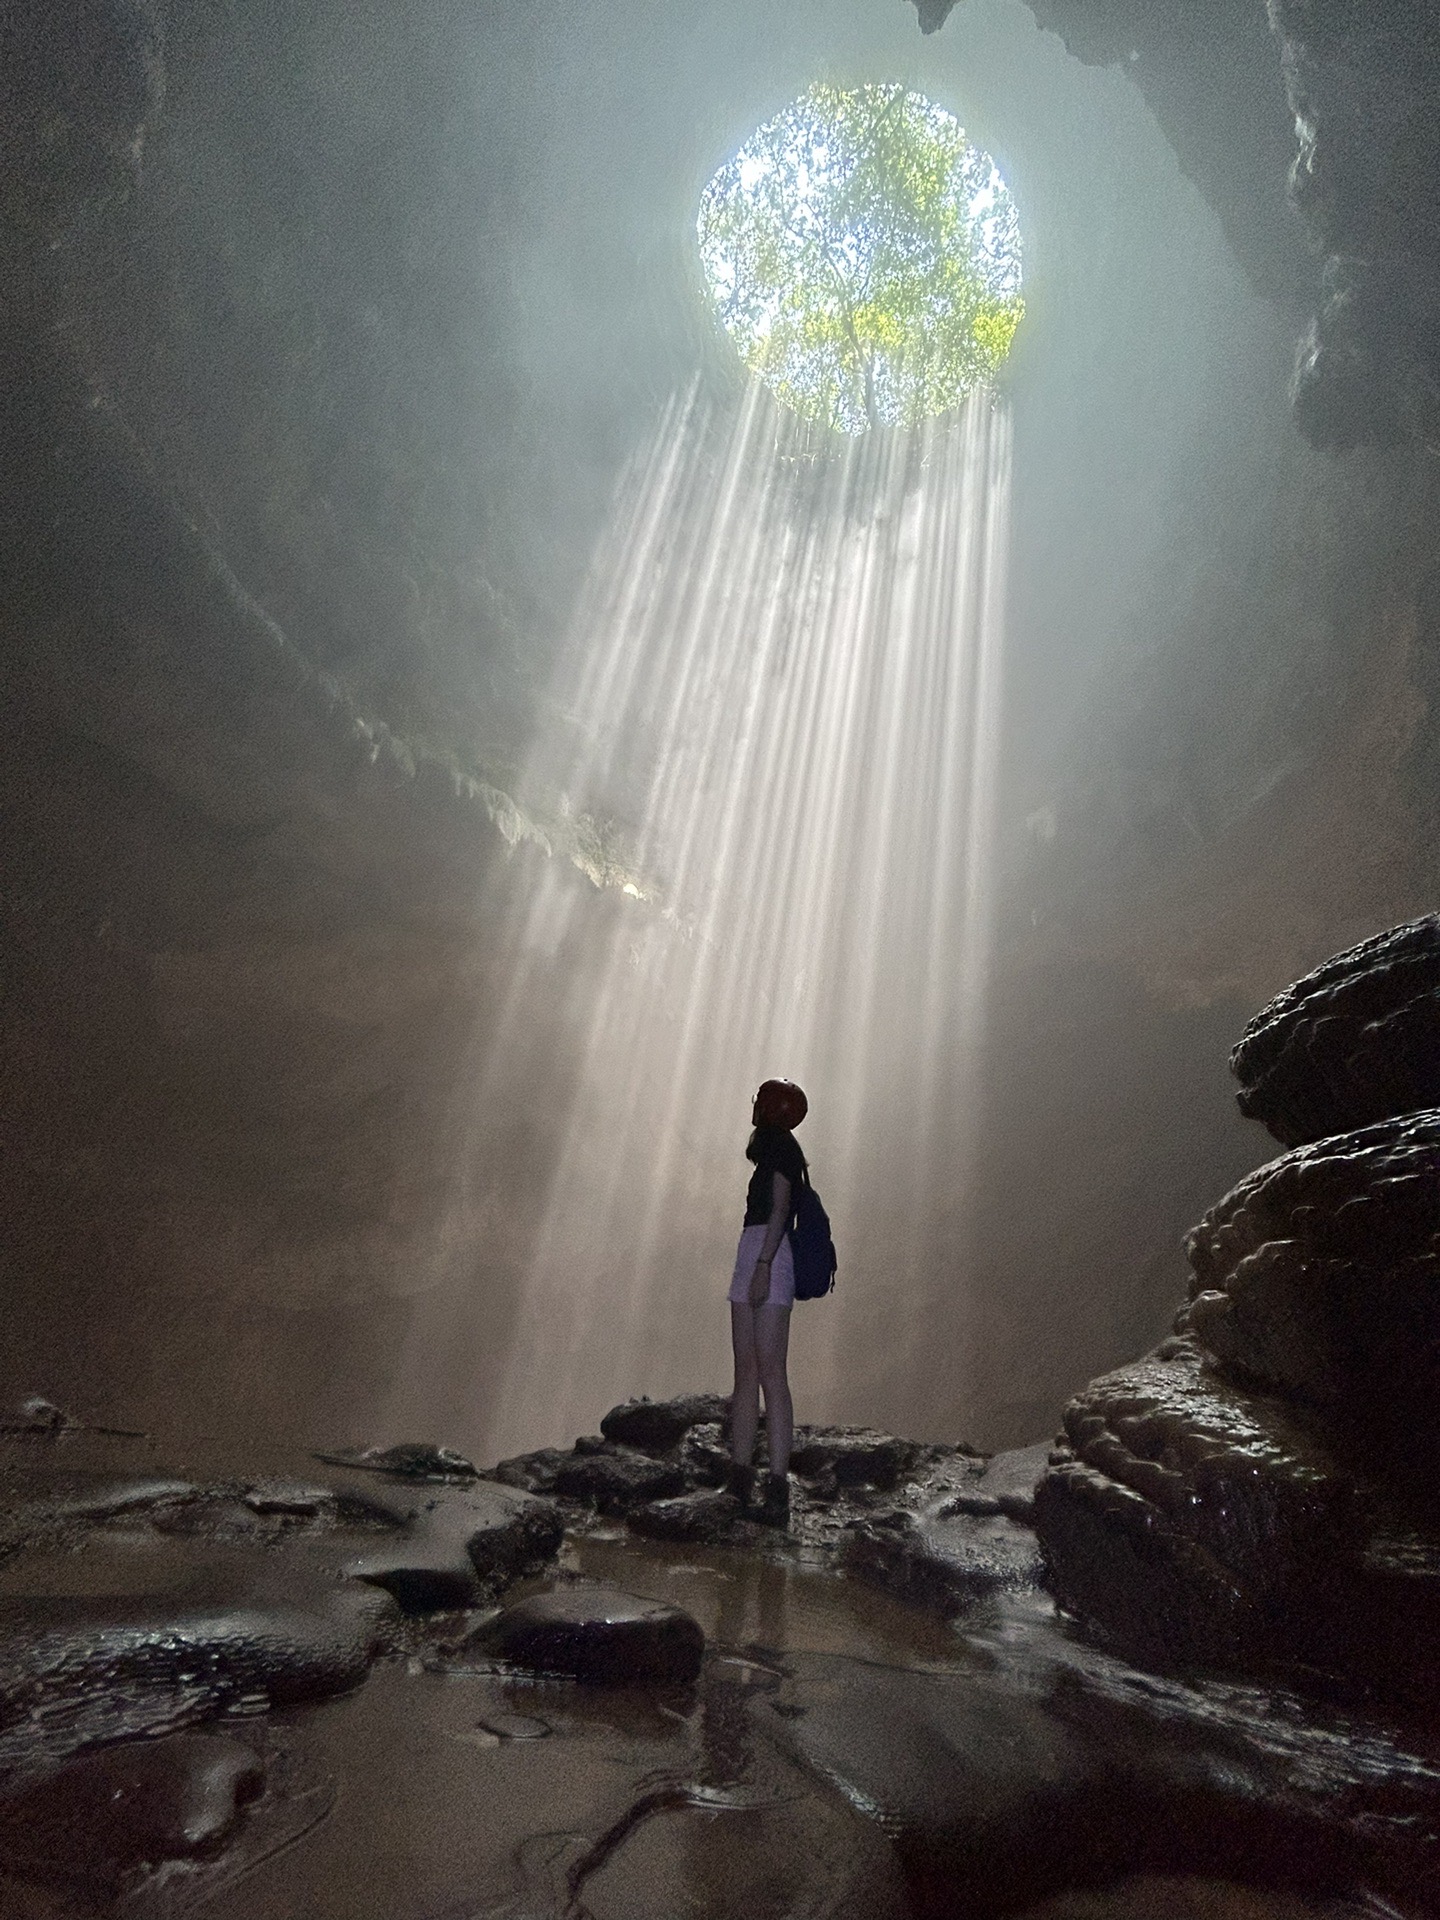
x=762, y=1292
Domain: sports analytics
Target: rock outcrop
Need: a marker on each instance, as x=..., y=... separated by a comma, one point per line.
x=1318, y=1278
x=942, y=1525
x=645, y=1728
x=1188, y=1516
x=1362, y=81
x=1259, y=1491
x=97, y=1821
x=1357, y=1039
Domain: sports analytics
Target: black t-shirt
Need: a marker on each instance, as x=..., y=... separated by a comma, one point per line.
x=774, y=1150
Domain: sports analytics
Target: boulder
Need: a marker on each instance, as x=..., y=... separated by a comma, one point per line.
x=707, y=1516
x=1197, y=1474
x=102, y=1816
x=853, y=1457
x=1259, y=1491
x=460, y=1547
x=1318, y=1277
x=1006, y=1484
x=507, y=1535
x=617, y=1479
x=533, y=1472
x=1193, y=1519
x=596, y=1634
x=1356, y=1041
x=658, y=1425
x=942, y=1558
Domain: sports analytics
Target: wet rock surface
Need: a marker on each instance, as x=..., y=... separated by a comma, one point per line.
x=617, y=1478
x=106, y=1814
x=451, y=1553
x=1319, y=1276
x=932, y=1522
x=1188, y=1513
x=657, y=1425
x=596, y=1634
x=708, y=1514
x=942, y=1559
x=1355, y=1041
x=1007, y=1484
x=136, y=1602
x=875, y=1714
x=1046, y=1764
x=413, y=1460
x=835, y=1457
x=1260, y=1490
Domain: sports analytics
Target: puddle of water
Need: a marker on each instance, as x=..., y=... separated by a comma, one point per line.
x=742, y=1599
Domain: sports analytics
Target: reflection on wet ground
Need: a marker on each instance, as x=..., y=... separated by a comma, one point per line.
x=742, y=1599
x=471, y=1796
x=844, y=1754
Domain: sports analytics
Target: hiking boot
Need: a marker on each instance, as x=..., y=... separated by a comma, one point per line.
x=775, y=1506
x=740, y=1481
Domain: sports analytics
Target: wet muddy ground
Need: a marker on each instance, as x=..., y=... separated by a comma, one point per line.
x=233, y=1694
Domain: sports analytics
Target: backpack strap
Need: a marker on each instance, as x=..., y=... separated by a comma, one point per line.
x=803, y=1181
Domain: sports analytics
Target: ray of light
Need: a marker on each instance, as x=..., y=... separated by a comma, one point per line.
x=785, y=679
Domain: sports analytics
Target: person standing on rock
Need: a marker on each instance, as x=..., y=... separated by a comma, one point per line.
x=762, y=1293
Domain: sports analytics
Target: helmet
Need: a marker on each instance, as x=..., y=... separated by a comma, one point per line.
x=780, y=1103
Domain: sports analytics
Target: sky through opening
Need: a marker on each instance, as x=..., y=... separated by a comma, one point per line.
x=864, y=257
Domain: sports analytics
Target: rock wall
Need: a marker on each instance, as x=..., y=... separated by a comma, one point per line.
x=1361, y=83
x=249, y=941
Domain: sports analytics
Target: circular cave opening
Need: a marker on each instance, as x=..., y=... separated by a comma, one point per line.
x=863, y=255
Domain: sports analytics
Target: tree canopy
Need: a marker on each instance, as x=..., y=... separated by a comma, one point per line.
x=864, y=256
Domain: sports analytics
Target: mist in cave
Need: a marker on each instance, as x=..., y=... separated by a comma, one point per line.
x=790, y=677
x=476, y=703
x=794, y=657
x=412, y=394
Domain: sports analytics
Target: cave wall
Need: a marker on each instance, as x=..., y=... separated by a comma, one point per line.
x=1355, y=134
x=333, y=329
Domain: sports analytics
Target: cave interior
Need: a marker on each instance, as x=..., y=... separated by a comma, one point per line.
x=393, y=545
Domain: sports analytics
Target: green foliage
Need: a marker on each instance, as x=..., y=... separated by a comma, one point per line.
x=864, y=257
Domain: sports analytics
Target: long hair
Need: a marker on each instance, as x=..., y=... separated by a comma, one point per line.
x=752, y=1148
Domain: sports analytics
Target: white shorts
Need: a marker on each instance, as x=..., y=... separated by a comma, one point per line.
x=782, y=1269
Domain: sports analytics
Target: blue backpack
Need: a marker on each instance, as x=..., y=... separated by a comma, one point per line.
x=811, y=1247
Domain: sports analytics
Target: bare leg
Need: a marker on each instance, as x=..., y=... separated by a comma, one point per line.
x=745, y=1401
x=772, y=1345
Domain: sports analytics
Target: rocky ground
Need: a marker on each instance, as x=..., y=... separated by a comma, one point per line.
x=583, y=1683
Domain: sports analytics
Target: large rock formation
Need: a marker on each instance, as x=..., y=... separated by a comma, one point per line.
x=1358, y=1038
x=1316, y=1278
x=1261, y=1489
x=1362, y=81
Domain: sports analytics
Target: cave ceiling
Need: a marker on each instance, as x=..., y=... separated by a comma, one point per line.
x=353, y=414
x=1339, y=100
